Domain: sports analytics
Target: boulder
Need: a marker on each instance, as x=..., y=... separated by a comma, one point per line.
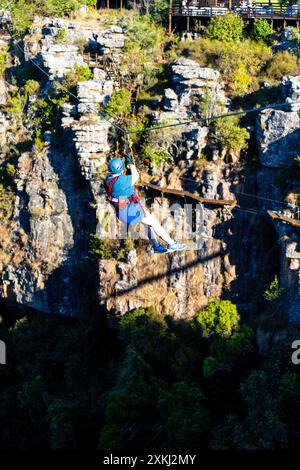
x=187, y=69
x=291, y=91
x=170, y=101
x=60, y=59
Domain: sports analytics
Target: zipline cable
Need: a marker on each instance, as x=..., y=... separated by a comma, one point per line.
x=212, y=118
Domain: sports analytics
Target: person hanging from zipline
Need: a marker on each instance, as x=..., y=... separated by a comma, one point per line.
x=129, y=208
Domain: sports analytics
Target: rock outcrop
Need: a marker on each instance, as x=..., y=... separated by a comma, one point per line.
x=59, y=59
x=290, y=267
x=196, y=90
x=58, y=44
x=278, y=135
x=278, y=129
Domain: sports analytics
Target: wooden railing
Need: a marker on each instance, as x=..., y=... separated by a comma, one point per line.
x=209, y=8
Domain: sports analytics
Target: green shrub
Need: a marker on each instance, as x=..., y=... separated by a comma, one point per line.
x=15, y=105
x=101, y=249
x=156, y=155
x=210, y=365
x=7, y=173
x=38, y=140
x=244, y=61
x=108, y=249
x=129, y=320
x=119, y=105
x=31, y=87
x=261, y=29
x=288, y=382
x=157, y=145
x=144, y=48
x=227, y=352
x=209, y=106
x=229, y=135
x=283, y=63
x=229, y=27
x=6, y=202
x=47, y=110
x=240, y=80
x=61, y=37
x=4, y=61
x=136, y=122
x=83, y=73
x=219, y=317
x=274, y=290
x=23, y=13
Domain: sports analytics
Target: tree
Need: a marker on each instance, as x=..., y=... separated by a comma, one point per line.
x=159, y=10
x=219, y=317
x=23, y=11
x=262, y=428
x=261, y=29
x=185, y=416
x=229, y=27
x=229, y=353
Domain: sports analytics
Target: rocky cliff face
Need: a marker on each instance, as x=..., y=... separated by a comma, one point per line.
x=59, y=199
x=278, y=141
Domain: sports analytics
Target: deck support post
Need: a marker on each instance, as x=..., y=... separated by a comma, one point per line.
x=187, y=23
x=170, y=16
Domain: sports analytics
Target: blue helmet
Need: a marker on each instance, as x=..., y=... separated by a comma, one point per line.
x=116, y=165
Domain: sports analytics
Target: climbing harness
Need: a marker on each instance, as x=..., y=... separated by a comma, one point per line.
x=119, y=204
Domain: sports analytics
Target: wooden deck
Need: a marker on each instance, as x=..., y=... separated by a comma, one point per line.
x=247, y=10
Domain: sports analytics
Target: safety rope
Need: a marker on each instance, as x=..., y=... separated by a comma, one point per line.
x=128, y=153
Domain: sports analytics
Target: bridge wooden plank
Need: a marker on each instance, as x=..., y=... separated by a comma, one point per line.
x=283, y=218
x=182, y=193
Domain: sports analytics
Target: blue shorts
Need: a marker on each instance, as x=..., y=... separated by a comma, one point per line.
x=132, y=214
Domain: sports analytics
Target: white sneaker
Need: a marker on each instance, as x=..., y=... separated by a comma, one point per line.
x=176, y=246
